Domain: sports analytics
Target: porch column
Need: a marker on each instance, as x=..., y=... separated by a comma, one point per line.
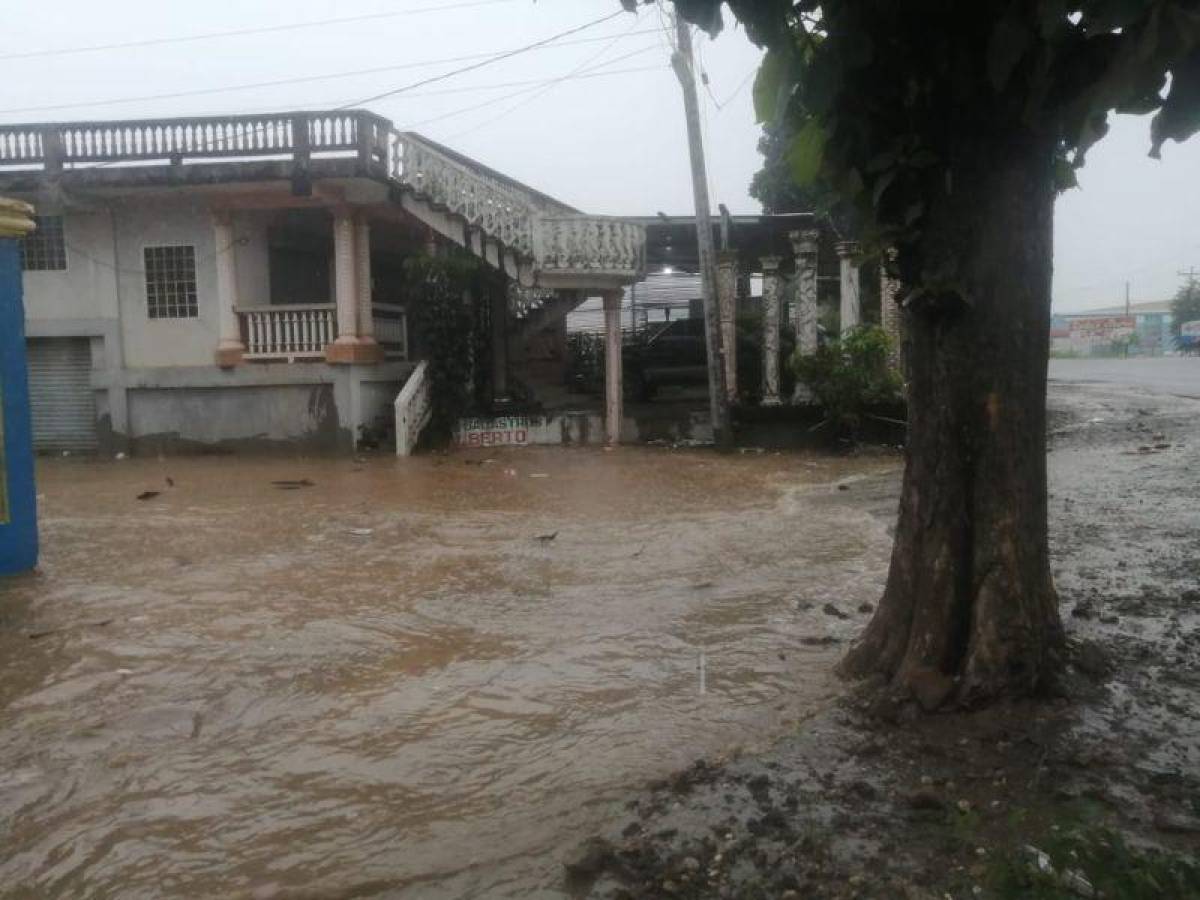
x=230, y=349
x=613, y=405
x=369, y=349
x=851, y=300
x=727, y=304
x=804, y=244
x=345, y=290
x=498, y=313
x=770, y=339
x=890, y=318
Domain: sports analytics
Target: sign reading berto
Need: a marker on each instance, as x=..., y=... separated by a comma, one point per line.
x=18, y=498
x=507, y=431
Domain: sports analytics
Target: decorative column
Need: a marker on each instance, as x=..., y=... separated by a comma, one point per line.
x=613, y=399
x=230, y=349
x=804, y=245
x=727, y=305
x=851, y=299
x=369, y=349
x=890, y=318
x=346, y=349
x=772, y=285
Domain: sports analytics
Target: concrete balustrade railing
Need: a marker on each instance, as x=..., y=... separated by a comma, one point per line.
x=529, y=228
x=292, y=331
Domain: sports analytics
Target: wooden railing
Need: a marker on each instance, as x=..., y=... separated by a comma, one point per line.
x=298, y=136
x=391, y=329
x=288, y=332
x=413, y=408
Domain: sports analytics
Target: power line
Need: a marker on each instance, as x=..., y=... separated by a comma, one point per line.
x=573, y=73
x=446, y=75
x=488, y=62
x=240, y=32
x=281, y=82
x=601, y=71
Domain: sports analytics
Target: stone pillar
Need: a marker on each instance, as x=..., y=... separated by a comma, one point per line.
x=727, y=304
x=851, y=299
x=230, y=349
x=347, y=348
x=890, y=318
x=345, y=294
x=613, y=399
x=804, y=244
x=363, y=285
x=772, y=286
x=498, y=313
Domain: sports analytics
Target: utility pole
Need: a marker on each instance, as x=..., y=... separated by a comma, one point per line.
x=718, y=402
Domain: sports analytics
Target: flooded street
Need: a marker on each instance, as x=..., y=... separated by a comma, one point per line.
x=424, y=678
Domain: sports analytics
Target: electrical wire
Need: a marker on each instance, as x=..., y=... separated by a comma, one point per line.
x=240, y=32
x=573, y=73
x=596, y=72
x=281, y=82
x=487, y=62
x=508, y=54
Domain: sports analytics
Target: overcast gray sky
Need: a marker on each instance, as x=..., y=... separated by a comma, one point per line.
x=610, y=142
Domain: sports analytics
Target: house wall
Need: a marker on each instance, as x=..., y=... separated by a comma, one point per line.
x=251, y=258
x=166, y=342
x=87, y=288
x=156, y=386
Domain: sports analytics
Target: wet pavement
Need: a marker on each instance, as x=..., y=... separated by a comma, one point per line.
x=424, y=678
x=1178, y=375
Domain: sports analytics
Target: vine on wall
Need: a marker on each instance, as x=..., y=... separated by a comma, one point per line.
x=443, y=316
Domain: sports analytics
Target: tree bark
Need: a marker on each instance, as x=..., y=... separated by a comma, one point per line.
x=969, y=613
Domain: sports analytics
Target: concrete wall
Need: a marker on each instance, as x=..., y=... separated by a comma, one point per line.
x=182, y=418
x=166, y=342
x=252, y=258
x=87, y=288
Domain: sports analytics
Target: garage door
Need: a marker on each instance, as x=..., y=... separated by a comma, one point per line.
x=61, y=400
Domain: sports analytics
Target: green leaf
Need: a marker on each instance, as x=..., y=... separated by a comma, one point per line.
x=768, y=85
x=1109, y=15
x=1179, y=117
x=806, y=153
x=1009, y=41
x=882, y=183
x=1064, y=175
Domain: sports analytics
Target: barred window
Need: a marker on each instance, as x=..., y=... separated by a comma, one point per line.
x=171, y=282
x=44, y=249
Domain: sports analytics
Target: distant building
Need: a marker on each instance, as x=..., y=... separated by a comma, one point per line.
x=1139, y=329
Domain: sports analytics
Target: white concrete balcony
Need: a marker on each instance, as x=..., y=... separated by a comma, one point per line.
x=288, y=332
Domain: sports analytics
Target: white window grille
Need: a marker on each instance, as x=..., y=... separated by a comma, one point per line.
x=45, y=249
x=171, y=282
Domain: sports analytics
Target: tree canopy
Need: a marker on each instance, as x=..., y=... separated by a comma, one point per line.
x=882, y=100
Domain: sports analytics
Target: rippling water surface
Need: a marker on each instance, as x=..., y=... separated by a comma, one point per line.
x=384, y=684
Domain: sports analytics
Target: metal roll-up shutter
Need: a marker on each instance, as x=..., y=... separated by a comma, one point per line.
x=61, y=399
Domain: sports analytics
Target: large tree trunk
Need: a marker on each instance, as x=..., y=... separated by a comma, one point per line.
x=969, y=612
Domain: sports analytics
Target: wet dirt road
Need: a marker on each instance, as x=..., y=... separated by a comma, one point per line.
x=384, y=684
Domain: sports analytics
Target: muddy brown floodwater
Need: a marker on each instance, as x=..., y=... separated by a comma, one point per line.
x=384, y=683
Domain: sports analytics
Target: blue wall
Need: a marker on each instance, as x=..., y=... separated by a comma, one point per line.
x=18, y=496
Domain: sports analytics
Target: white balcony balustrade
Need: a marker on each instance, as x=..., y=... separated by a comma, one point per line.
x=288, y=332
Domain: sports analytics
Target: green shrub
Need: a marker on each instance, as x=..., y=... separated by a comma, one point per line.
x=443, y=315
x=850, y=375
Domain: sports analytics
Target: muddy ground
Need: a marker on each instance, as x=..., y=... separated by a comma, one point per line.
x=869, y=799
